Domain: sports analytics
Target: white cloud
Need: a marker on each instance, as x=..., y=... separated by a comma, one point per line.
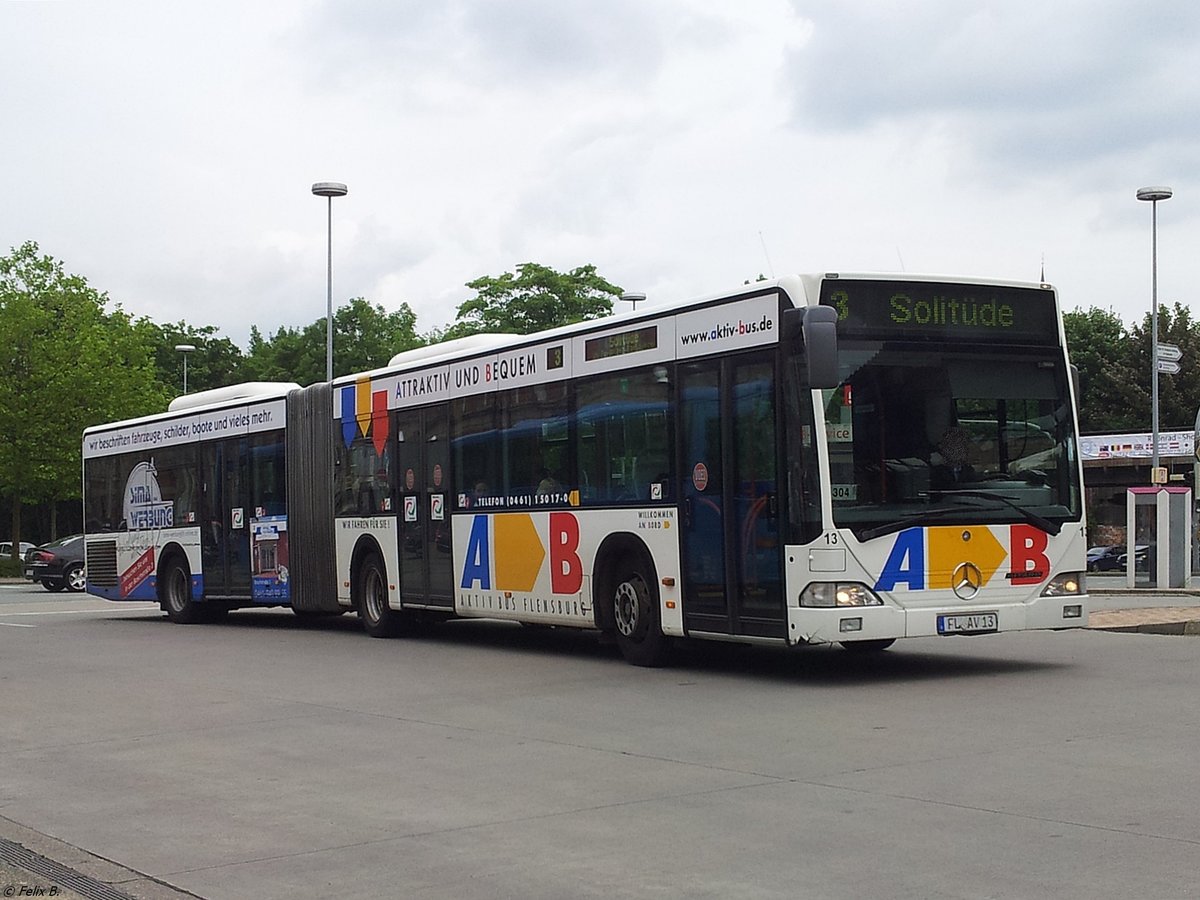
x=681, y=146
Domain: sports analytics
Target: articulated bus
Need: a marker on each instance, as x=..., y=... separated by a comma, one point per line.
x=822, y=459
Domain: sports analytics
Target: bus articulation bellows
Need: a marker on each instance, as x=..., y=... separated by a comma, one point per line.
x=820, y=459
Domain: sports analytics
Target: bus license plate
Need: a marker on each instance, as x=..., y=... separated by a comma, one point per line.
x=968, y=623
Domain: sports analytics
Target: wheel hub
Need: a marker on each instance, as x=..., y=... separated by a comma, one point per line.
x=625, y=608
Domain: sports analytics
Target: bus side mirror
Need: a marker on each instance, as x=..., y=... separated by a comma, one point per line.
x=819, y=327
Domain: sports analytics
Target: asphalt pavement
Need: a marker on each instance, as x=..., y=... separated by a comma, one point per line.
x=33, y=861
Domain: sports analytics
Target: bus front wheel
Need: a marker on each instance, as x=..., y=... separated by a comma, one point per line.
x=636, y=616
x=379, y=619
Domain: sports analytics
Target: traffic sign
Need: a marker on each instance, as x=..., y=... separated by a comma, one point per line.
x=1169, y=352
x=1167, y=367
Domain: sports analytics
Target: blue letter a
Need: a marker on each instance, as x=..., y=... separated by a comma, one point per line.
x=477, y=566
x=906, y=562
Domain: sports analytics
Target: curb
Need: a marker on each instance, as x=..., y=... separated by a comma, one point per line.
x=1177, y=628
x=57, y=864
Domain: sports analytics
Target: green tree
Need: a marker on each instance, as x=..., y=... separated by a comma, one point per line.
x=1110, y=389
x=365, y=337
x=1178, y=395
x=65, y=363
x=216, y=361
x=533, y=298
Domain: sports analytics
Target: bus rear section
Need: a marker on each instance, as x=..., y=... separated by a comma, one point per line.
x=190, y=508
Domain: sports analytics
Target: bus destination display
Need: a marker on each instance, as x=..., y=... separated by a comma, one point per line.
x=623, y=342
x=939, y=311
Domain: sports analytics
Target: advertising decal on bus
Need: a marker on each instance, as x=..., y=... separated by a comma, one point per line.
x=927, y=558
x=191, y=428
x=269, y=558
x=538, y=564
x=364, y=412
x=144, y=504
x=520, y=552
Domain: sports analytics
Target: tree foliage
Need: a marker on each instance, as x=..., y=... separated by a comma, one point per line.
x=1114, y=363
x=365, y=337
x=533, y=298
x=1178, y=395
x=1099, y=347
x=65, y=363
x=216, y=362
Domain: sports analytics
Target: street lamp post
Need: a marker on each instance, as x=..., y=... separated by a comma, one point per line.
x=633, y=297
x=185, y=349
x=329, y=189
x=1153, y=195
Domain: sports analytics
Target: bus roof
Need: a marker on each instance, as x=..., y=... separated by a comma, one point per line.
x=231, y=395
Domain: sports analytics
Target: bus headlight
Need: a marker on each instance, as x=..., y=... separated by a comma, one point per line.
x=1068, y=584
x=839, y=593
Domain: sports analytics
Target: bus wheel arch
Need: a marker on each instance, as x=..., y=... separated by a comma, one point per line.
x=369, y=590
x=174, y=581
x=627, y=600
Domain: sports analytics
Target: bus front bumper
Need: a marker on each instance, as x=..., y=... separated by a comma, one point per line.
x=824, y=625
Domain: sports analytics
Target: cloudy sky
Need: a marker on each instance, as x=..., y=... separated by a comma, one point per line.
x=166, y=151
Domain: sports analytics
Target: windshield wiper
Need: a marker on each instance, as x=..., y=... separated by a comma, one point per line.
x=1029, y=515
x=916, y=519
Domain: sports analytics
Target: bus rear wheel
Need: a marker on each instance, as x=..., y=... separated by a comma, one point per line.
x=636, y=616
x=175, y=593
x=379, y=619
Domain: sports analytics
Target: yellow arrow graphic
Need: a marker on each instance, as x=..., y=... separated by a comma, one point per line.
x=950, y=546
x=362, y=404
x=519, y=552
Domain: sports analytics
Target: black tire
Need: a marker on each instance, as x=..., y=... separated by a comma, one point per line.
x=175, y=593
x=53, y=586
x=868, y=646
x=379, y=620
x=75, y=579
x=638, y=627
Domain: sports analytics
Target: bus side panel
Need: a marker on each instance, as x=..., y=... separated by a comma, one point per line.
x=537, y=566
x=347, y=535
x=124, y=565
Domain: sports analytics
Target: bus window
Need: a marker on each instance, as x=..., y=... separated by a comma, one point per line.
x=473, y=431
x=364, y=478
x=535, y=463
x=623, y=436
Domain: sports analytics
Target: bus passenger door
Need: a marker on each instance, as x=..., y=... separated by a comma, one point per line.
x=424, y=448
x=212, y=520
x=436, y=471
x=732, y=570
x=237, y=515
x=224, y=519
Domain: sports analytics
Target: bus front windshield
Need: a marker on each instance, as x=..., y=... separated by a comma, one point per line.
x=947, y=434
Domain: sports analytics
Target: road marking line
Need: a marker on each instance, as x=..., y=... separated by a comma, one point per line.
x=17, y=625
x=79, y=612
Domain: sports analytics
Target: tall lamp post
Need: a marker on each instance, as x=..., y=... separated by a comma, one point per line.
x=1153, y=195
x=329, y=189
x=185, y=349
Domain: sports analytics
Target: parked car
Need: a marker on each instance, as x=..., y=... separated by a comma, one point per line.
x=1115, y=559
x=1141, y=558
x=1105, y=559
x=58, y=565
x=6, y=549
